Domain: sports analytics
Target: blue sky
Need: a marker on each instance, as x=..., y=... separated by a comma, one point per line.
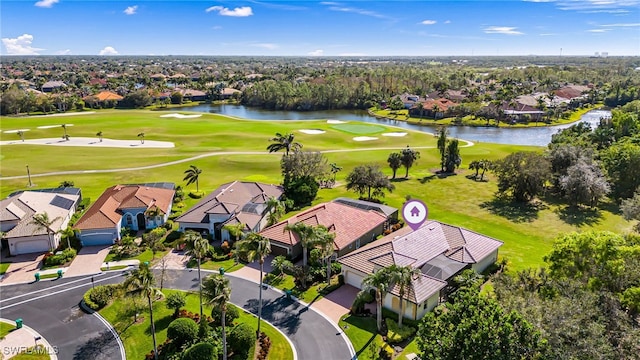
x=320, y=28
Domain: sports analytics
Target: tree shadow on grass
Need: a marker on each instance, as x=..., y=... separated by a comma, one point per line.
x=399, y=179
x=579, y=216
x=160, y=324
x=426, y=179
x=361, y=322
x=512, y=210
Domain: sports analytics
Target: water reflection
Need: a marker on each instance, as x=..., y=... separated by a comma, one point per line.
x=537, y=136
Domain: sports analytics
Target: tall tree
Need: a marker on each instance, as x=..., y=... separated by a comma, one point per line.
x=631, y=208
x=235, y=230
x=402, y=276
x=381, y=281
x=325, y=241
x=452, y=156
x=99, y=135
x=216, y=291
x=141, y=282
x=141, y=136
x=255, y=247
x=42, y=222
x=409, y=156
x=198, y=247
x=369, y=179
x=522, y=174
x=284, y=142
x=306, y=234
x=442, y=145
x=192, y=175
x=276, y=209
x=395, y=162
x=475, y=326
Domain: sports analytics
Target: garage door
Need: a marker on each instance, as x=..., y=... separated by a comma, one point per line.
x=278, y=250
x=353, y=279
x=97, y=239
x=33, y=246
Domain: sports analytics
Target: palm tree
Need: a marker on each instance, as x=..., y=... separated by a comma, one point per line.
x=475, y=165
x=64, y=127
x=42, y=222
x=409, y=156
x=403, y=277
x=255, y=247
x=141, y=282
x=198, y=248
x=235, y=230
x=326, y=242
x=442, y=144
x=284, y=142
x=192, y=176
x=381, y=282
x=99, y=135
x=276, y=210
x=306, y=233
x=216, y=291
x=141, y=136
x=21, y=134
x=395, y=162
x=334, y=170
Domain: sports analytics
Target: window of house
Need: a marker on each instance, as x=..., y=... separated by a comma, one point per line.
x=129, y=220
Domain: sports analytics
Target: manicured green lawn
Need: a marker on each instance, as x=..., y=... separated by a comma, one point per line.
x=527, y=232
x=359, y=128
x=286, y=282
x=39, y=353
x=137, y=338
x=5, y=329
x=3, y=267
x=363, y=335
x=146, y=255
x=229, y=265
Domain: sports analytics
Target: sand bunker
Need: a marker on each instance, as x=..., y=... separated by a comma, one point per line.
x=335, y=122
x=395, y=134
x=180, y=116
x=364, y=138
x=312, y=131
x=93, y=142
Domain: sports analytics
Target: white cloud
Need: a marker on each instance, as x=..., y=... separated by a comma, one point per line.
x=334, y=6
x=506, y=30
x=548, y=34
x=64, y=52
x=318, y=52
x=217, y=27
x=596, y=4
x=448, y=22
x=130, y=10
x=46, y=3
x=428, y=22
x=622, y=25
x=237, y=12
x=109, y=50
x=267, y=46
x=598, y=30
x=20, y=45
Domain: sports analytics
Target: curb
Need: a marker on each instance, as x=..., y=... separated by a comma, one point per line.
x=113, y=331
x=52, y=351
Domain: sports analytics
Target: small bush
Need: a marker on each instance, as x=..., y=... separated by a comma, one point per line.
x=55, y=260
x=231, y=314
x=397, y=334
x=98, y=297
x=386, y=352
x=182, y=330
x=341, y=279
x=196, y=195
x=241, y=339
x=336, y=268
x=168, y=225
x=200, y=351
x=225, y=247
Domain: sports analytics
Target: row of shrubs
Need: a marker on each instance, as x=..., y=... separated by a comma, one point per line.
x=61, y=258
x=98, y=297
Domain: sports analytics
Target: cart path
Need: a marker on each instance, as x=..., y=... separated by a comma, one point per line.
x=201, y=156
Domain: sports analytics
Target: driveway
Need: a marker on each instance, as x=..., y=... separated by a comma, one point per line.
x=88, y=261
x=22, y=268
x=337, y=302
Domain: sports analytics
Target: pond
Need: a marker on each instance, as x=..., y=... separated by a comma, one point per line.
x=537, y=136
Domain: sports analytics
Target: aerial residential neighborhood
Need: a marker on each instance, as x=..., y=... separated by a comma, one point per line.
x=294, y=180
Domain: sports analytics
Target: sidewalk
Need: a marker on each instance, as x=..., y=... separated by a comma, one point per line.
x=23, y=340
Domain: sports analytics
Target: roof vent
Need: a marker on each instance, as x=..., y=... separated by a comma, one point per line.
x=231, y=190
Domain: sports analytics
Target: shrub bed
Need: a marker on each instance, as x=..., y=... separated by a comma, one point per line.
x=59, y=259
x=397, y=334
x=98, y=297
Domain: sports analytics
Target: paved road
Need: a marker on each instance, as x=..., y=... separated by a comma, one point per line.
x=51, y=308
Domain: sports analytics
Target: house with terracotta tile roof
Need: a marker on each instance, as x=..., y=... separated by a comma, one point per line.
x=238, y=202
x=17, y=211
x=136, y=207
x=103, y=98
x=440, y=251
x=353, y=226
x=434, y=108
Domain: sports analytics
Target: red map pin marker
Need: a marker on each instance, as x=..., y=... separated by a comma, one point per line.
x=414, y=213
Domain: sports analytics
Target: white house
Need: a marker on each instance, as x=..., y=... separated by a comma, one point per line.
x=21, y=235
x=136, y=207
x=439, y=250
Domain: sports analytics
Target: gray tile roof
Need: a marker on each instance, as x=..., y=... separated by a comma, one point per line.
x=439, y=250
x=23, y=206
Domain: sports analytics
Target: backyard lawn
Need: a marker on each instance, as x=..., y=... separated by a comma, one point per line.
x=527, y=231
x=3, y=267
x=137, y=338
